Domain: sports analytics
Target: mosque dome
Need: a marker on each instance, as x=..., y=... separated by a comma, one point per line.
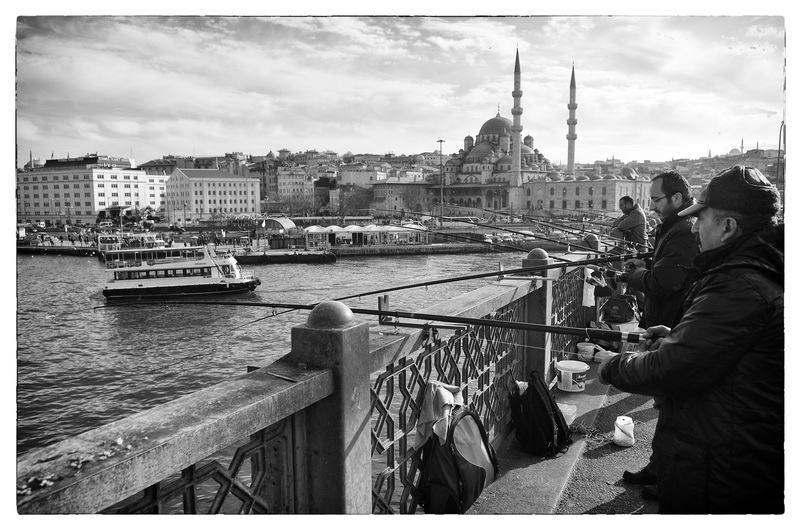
x=581, y=178
x=527, y=137
x=481, y=150
x=496, y=126
x=469, y=137
x=609, y=177
x=569, y=178
x=506, y=159
x=525, y=150
x=419, y=159
x=629, y=173
x=594, y=176
x=734, y=151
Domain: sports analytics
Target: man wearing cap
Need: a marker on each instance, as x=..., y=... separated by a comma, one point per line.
x=665, y=280
x=720, y=369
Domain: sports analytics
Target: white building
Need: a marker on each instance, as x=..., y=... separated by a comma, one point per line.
x=360, y=175
x=201, y=194
x=79, y=189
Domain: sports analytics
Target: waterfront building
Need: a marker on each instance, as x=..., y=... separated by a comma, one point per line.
x=202, y=194
x=400, y=195
x=76, y=190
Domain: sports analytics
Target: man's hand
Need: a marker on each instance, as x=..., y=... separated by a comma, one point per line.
x=633, y=264
x=651, y=338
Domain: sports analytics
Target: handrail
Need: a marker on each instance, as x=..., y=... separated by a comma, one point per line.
x=99, y=468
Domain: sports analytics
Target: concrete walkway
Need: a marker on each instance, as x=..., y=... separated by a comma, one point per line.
x=529, y=484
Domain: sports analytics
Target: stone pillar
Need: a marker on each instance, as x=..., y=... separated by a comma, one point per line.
x=540, y=311
x=338, y=427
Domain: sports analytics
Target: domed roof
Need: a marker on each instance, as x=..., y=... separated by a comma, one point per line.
x=569, y=178
x=481, y=150
x=555, y=177
x=507, y=159
x=594, y=176
x=525, y=150
x=496, y=126
x=468, y=137
x=609, y=177
x=581, y=178
x=527, y=137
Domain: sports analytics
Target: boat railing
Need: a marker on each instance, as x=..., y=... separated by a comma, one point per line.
x=248, y=274
x=116, y=264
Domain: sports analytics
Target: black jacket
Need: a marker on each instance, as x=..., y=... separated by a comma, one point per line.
x=720, y=433
x=666, y=281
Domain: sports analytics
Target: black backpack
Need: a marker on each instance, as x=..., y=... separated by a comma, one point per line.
x=620, y=309
x=538, y=422
x=453, y=474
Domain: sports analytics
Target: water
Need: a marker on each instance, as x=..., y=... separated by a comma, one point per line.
x=79, y=367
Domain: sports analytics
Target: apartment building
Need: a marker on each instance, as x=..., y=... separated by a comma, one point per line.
x=193, y=194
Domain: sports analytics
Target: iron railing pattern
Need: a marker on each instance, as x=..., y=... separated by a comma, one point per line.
x=481, y=360
x=567, y=310
x=254, y=476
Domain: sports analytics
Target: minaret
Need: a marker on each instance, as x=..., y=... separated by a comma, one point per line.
x=516, y=128
x=571, y=122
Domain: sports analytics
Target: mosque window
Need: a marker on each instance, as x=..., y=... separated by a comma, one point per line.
x=591, y=192
x=564, y=192
x=528, y=193
x=604, y=193
x=577, y=190
x=552, y=191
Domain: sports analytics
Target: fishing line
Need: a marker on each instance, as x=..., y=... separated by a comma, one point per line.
x=566, y=244
x=591, y=333
x=558, y=226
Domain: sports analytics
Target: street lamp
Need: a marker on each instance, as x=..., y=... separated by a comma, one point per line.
x=441, y=184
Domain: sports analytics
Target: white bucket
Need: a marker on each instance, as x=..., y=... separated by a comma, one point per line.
x=571, y=375
x=586, y=351
x=623, y=431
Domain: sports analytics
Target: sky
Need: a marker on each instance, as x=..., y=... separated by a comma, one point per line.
x=651, y=87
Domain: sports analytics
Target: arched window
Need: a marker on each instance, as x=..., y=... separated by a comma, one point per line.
x=528, y=192
x=552, y=191
x=604, y=190
x=577, y=190
x=564, y=192
x=591, y=191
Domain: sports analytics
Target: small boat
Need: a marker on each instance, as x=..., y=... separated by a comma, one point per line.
x=119, y=241
x=174, y=272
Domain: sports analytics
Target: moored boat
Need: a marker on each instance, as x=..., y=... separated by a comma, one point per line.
x=283, y=256
x=174, y=272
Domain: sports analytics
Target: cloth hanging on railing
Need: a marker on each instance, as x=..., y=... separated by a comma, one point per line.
x=438, y=401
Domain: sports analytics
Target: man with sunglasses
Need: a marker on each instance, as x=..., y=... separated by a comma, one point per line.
x=664, y=280
x=720, y=369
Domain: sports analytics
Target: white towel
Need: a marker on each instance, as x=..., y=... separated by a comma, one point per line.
x=437, y=403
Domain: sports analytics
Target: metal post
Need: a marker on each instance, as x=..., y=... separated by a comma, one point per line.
x=441, y=184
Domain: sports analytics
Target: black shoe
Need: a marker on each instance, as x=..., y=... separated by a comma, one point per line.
x=642, y=477
x=650, y=492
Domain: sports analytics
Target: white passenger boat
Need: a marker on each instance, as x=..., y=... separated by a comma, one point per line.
x=174, y=272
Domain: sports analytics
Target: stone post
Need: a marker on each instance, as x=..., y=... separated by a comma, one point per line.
x=539, y=311
x=338, y=427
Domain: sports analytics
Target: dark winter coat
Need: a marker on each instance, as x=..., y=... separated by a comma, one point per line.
x=666, y=280
x=720, y=432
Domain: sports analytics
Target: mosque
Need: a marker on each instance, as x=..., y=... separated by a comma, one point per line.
x=499, y=170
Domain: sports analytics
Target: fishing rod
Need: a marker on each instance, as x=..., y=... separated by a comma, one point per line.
x=572, y=230
x=568, y=244
x=593, y=334
x=501, y=246
x=532, y=269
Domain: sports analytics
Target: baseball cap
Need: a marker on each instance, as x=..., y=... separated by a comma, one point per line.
x=740, y=189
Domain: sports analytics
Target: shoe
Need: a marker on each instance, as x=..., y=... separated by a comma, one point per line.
x=650, y=492
x=642, y=477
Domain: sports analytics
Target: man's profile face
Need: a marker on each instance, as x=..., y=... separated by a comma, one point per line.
x=708, y=229
x=625, y=207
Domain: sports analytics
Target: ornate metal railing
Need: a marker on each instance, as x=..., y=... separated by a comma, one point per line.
x=567, y=310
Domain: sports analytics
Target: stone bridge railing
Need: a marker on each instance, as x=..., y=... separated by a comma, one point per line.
x=329, y=427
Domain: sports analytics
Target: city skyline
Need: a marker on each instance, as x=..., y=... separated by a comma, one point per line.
x=656, y=88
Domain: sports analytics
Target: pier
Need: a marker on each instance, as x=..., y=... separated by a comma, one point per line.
x=329, y=427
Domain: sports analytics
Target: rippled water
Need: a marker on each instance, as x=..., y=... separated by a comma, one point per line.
x=79, y=367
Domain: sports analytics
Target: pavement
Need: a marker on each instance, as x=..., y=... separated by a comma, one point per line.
x=587, y=479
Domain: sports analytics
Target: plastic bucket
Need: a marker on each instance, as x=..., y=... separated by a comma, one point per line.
x=571, y=375
x=586, y=351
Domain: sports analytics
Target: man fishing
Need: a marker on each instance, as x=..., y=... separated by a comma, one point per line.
x=664, y=280
x=720, y=369
x=631, y=225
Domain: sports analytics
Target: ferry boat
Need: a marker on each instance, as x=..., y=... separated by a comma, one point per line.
x=115, y=242
x=174, y=272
